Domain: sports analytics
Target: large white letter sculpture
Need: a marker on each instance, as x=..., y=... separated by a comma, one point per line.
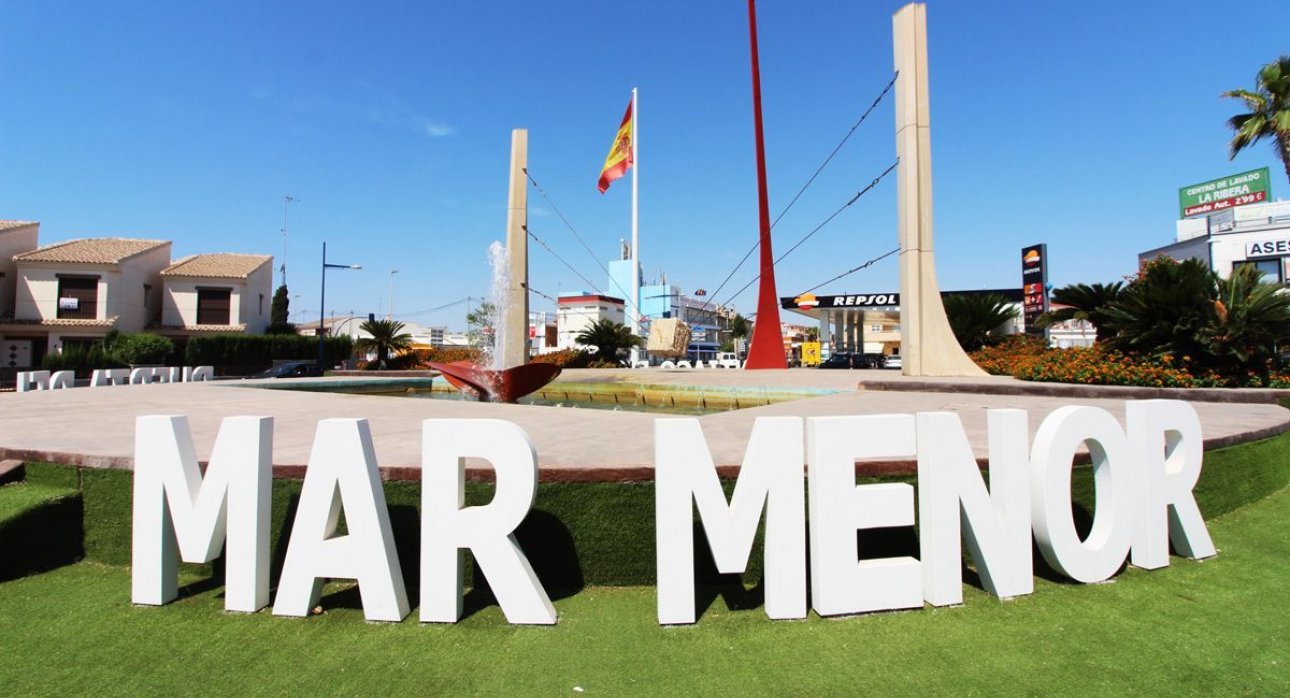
x=175, y=508
x=996, y=522
x=342, y=472
x=1097, y=557
x=1167, y=449
x=839, y=507
x=770, y=477
x=448, y=526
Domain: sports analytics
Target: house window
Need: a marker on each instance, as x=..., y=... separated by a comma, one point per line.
x=213, y=306
x=78, y=298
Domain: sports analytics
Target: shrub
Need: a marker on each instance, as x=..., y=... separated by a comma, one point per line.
x=565, y=358
x=1009, y=355
x=139, y=348
x=1027, y=358
x=249, y=352
x=82, y=360
x=447, y=355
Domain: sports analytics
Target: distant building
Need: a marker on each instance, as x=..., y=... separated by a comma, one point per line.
x=1071, y=333
x=870, y=322
x=578, y=311
x=1257, y=235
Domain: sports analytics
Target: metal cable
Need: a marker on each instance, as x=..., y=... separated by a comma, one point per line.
x=817, y=228
x=810, y=181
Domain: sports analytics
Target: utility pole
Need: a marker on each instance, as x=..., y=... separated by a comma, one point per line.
x=287, y=199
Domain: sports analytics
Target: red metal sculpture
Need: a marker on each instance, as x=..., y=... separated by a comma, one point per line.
x=489, y=385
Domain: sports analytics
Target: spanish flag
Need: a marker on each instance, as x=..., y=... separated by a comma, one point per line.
x=620, y=153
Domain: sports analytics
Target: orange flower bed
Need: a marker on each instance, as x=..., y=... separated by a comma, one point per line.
x=1029, y=359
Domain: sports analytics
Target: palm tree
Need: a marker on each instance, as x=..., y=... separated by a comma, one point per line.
x=1252, y=320
x=1084, y=302
x=975, y=316
x=1269, y=114
x=1165, y=310
x=387, y=338
x=608, y=337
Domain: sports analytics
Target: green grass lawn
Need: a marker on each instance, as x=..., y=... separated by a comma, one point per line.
x=1218, y=626
x=21, y=497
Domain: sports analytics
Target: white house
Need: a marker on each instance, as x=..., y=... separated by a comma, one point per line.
x=77, y=291
x=223, y=292
x=16, y=237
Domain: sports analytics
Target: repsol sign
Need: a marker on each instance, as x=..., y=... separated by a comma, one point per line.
x=853, y=300
x=1144, y=472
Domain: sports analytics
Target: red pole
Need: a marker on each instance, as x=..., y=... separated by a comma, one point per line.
x=767, y=349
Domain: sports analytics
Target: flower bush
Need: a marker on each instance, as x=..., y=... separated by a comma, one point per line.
x=565, y=358
x=1029, y=359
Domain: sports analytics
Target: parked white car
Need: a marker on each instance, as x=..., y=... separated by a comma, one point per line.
x=893, y=361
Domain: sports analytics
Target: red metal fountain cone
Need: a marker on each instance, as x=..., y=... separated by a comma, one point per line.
x=488, y=385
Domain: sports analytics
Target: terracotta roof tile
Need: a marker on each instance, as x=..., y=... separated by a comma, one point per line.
x=66, y=322
x=91, y=251
x=204, y=328
x=225, y=265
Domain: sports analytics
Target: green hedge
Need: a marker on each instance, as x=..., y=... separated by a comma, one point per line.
x=603, y=533
x=256, y=351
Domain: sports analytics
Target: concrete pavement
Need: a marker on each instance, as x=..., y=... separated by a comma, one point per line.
x=95, y=426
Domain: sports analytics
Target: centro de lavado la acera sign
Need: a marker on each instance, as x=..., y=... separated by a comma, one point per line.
x=1144, y=472
x=1226, y=192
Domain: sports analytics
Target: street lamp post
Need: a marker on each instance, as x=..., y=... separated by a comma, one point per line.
x=390, y=315
x=322, y=310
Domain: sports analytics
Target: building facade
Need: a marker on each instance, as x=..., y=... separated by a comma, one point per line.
x=73, y=293
x=870, y=322
x=208, y=293
x=578, y=311
x=1257, y=235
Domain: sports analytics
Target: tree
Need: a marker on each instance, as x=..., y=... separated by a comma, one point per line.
x=1234, y=326
x=975, y=316
x=278, y=313
x=387, y=338
x=608, y=337
x=1251, y=322
x=1165, y=310
x=1269, y=115
x=1085, y=302
x=739, y=326
x=480, y=324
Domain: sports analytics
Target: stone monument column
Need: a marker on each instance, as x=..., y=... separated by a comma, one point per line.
x=927, y=345
x=516, y=349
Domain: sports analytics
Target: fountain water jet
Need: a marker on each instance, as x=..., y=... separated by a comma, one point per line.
x=491, y=380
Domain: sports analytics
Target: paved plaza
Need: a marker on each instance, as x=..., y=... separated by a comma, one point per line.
x=95, y=426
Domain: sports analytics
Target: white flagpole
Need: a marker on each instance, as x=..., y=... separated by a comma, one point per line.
x=635, y=310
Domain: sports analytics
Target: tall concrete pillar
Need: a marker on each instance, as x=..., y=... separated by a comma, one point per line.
x=516, y=346
x=927, y=345
x=826, y=329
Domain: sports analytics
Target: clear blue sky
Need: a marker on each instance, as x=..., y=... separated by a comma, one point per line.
x=1071, y=124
